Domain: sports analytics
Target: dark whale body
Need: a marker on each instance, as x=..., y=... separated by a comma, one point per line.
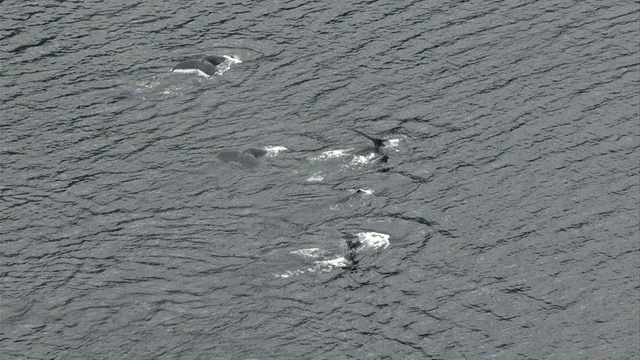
x=378, y=144
x=248, y=158
x=351, y=196
x=352, y=249
x=207, y=65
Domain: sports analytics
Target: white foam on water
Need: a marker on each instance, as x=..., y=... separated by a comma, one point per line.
x=373, y=240
x=289, y=273
x=234, y=59
x=331, y=154
x=370, y=240
x=319, y=266
x=366, y=191
x=328, y=265
x=323, y=265
x=315, y=177
x=226, y=65
x=309, y=253
x=148, y=84
x=392, y=143
x=274, y=150
x=363, y=159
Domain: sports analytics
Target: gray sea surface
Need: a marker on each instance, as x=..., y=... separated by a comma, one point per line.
x=504, y=225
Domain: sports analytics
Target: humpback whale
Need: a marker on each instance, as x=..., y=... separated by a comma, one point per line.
x=377, y=143
x=353, y=244
x=208, y=65
x=353, y=195
x=247, y=158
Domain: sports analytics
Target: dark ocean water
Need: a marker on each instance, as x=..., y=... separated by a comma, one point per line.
x=504, y=225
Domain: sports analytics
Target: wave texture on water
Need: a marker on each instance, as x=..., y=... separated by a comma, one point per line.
x=506, y=214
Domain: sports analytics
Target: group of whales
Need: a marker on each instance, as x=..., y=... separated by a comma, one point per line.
x=249, y=157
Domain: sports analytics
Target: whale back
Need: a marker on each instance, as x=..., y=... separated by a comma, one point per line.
x=204, y=66
x=247, y=158
x=229, y=155
x=256, y=152
x=214, y=60
x=189, y=64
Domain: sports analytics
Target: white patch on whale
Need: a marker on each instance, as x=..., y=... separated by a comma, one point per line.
x=191, y=71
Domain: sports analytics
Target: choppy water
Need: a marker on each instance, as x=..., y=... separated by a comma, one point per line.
x=504, y=225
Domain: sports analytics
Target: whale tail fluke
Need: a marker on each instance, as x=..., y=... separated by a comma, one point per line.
x=377, y=143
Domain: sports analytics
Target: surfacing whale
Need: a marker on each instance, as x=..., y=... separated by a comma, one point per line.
x=355, y=194
x=208, y=65
x=248, y=158
x=353, y=244
x=377, y=143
